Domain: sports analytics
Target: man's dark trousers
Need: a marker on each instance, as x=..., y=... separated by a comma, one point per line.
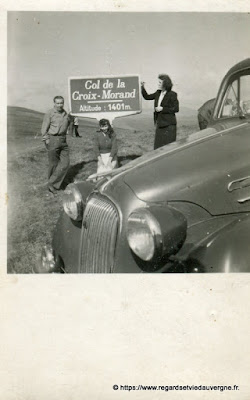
x=58, y=154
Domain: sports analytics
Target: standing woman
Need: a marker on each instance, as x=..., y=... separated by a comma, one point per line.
x=105, y=147
x=166, y=105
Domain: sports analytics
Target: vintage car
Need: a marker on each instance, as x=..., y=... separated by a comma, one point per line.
x=184, y=207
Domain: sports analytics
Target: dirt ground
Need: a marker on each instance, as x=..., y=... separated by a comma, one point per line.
x=32, y=211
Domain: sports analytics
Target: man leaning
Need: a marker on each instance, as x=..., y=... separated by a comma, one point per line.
x=54, y=129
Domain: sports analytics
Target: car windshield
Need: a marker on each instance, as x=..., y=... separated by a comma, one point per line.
x=245, y=94
x=237, y=98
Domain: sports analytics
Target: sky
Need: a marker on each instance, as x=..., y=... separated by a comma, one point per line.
x=194, y=49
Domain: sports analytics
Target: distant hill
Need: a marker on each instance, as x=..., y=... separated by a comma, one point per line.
x=144, y=120
x=186, y=111
x=22, y=122
x=139, y=122
x=183, y=111
x=16, y=110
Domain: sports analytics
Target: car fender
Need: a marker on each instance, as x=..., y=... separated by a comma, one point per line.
x=227, y=250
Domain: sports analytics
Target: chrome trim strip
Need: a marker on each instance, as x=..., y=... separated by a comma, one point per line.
x=229, y=186
x=244, y=200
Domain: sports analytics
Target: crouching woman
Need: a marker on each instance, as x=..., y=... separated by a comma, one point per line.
x=105, y=147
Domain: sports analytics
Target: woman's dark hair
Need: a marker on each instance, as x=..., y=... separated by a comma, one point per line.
x=104, y=121
x=166, y=82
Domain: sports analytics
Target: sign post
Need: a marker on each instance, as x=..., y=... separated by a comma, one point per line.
x=104, y=97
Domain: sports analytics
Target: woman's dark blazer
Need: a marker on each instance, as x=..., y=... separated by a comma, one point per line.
x=170, y=106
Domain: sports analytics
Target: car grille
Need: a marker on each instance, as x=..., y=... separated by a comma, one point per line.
x=99, y=233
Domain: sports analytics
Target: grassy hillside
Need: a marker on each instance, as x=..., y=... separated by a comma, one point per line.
x=32, y=212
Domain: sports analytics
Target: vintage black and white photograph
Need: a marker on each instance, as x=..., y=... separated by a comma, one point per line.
x=128, y=142
x=125, y=200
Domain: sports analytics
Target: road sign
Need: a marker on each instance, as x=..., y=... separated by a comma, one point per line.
x=104, y=97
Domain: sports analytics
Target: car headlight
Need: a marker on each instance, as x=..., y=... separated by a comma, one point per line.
x=156, y=232
x=73, y=203
x=144, y=234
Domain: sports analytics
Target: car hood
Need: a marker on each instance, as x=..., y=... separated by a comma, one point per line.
x=197, y=169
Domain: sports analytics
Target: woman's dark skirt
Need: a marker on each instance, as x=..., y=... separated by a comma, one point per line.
x=164, y=136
